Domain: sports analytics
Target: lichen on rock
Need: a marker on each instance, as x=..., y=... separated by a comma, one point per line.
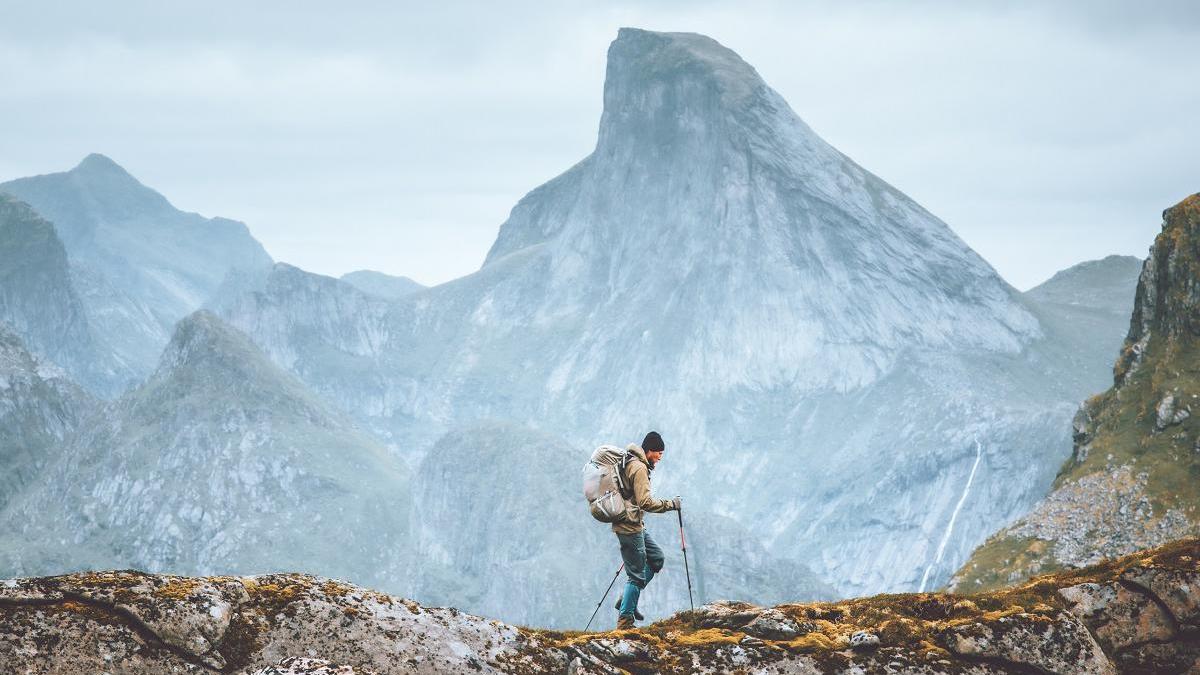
x=1136, y=614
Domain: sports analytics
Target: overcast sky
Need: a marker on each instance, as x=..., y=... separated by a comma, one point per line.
x=397, y=138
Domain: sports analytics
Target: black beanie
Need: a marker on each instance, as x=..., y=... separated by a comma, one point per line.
x=653, y=442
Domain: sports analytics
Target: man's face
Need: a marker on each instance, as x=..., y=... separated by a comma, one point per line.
x=654, y=456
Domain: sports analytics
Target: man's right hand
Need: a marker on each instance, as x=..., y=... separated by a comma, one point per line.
x=675, y=503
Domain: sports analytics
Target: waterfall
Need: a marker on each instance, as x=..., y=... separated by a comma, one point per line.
x=941, y=549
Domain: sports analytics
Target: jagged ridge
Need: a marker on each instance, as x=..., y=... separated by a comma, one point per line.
x=220, y=461
x=1134, y=615
x=137, y=263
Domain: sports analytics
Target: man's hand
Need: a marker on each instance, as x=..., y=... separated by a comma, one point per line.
x=675, y=503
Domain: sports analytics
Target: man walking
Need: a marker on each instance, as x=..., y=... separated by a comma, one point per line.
x=643, y=558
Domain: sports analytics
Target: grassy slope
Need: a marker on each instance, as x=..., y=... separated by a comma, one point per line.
x=1123, y=431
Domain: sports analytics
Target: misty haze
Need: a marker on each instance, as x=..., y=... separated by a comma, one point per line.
x=821, y=430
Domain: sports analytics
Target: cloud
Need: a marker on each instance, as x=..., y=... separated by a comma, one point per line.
x=398, y=137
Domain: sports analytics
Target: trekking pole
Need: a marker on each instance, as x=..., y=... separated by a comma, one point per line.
x=683, y=545
x=598, y=604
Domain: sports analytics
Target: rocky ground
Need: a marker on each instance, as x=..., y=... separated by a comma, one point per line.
x=1139, y=614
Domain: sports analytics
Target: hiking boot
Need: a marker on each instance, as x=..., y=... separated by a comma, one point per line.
x=636, y=614
x=624, y=622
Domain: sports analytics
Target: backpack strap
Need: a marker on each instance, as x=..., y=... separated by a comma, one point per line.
x=622, y=480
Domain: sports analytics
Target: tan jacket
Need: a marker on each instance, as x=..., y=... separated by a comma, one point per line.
x=637, y=475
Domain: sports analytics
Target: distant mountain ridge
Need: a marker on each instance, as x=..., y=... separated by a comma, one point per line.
x=137, y=264
x=380, y=284
x=1085, y=311
x=1096, y=284
x=220, y=462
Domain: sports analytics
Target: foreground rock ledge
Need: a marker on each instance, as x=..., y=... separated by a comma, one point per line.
x=1139, y=614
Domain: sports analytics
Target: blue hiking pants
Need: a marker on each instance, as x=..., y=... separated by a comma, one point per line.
x=643, y=559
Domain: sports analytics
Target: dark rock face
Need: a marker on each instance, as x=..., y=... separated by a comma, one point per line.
x=1140, y=614
x=1167, y=303
x=1133, y=479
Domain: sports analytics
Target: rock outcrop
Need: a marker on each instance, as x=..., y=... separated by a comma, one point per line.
x=1139, y=614
x=1133, y=480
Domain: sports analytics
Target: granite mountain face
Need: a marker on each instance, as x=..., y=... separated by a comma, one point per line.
x=219, y=462
x=39, y=409
x=137, y=264
x=1131, y=480
x=832, y=367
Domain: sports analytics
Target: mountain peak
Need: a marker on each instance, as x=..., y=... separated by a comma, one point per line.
x=1099, y=284
x=208, y=358
x=201, y=328
x=651, y=55
x=97, y=163
x=103, y=176
x=702, y=163
x=672, y=92
x=214, y=350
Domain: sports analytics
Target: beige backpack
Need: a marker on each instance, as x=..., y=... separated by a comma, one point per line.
x=604, y=484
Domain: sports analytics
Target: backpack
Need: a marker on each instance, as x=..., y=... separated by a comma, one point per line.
x=604, y=484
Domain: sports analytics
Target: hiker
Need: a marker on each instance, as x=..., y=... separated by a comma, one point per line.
x=643, y=558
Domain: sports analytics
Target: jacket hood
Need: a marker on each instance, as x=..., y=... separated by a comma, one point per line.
x=640, y=454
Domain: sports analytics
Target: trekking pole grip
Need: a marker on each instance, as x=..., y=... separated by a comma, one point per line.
x=682, y=540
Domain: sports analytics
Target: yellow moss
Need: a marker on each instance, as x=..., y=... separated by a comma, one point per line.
x=178, y=588
x=333, y=588
x=707, y=636
x=812, y=642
